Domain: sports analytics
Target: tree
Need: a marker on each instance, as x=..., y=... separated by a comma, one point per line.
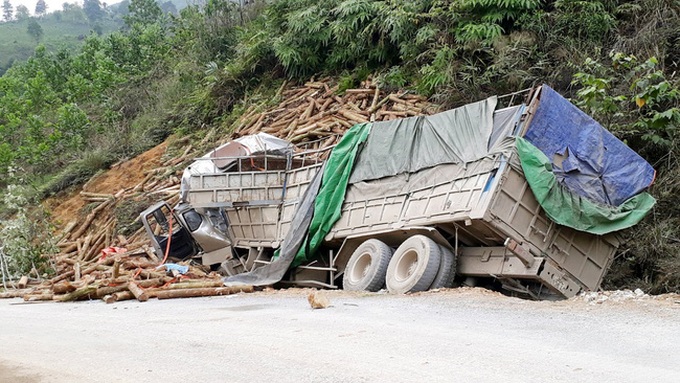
x=22, y=12
x=93, y=10
x=40, y=7
x=169, y=7
x=143, y=12
x=73, y=13
x=35, y=30
x=7, y=10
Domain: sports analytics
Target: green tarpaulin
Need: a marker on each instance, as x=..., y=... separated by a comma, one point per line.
x=328, y=203
x=570, y=209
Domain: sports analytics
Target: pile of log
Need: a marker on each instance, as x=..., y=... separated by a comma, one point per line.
x=316, y=113
x=319, y=112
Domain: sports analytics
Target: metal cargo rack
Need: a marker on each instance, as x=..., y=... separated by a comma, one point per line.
x=259, y=193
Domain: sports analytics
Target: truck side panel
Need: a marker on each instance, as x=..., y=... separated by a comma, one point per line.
x=516, y=212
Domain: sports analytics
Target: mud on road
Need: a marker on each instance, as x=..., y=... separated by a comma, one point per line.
x=461, y=335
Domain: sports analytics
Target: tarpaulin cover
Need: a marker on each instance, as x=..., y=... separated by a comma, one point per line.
x=571, y=209
x=585, y=157
x=328, y=204
x=411, y=144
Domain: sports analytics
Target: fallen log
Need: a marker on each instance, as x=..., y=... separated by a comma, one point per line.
x=82, y=292
x=23, y=281
x=138, y=292
x=202, y=292
x=42, y=296
x=14, y=293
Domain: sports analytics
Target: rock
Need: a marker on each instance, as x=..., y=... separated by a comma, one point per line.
x=318, y=300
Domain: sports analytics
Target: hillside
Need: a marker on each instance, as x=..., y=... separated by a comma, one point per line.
x=17, y=45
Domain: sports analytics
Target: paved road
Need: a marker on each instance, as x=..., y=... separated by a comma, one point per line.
x=463, y=335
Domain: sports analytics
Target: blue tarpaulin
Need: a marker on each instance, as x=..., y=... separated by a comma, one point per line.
x=585, y=157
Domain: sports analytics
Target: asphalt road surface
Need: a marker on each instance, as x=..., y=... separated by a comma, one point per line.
x=459, y=335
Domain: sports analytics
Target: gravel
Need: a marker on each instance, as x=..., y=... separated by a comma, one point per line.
x=464, y=335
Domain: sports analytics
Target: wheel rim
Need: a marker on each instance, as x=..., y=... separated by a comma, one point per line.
x=361, y=267
x=406, y=265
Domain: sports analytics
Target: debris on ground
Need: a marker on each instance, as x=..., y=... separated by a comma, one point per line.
x=318, y=300
x=599, y=297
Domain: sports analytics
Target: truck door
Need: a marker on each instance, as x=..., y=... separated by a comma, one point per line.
x=162, y=226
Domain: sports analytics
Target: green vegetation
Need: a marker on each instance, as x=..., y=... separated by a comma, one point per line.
x=66, y=113
x=66, y=30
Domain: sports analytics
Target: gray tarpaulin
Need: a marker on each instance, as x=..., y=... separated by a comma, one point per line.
x=273, y=272
x=500, y=140
x=411, y=144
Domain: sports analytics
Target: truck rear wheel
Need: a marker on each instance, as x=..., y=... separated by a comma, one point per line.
x=414, y=265
x=447, y=269
x=367, y=266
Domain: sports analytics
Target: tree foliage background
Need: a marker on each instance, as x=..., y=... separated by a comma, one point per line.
x=64, y=115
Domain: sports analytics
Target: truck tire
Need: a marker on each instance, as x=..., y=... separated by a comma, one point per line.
x=414, y=265
x=367, y=267
x=447, y=270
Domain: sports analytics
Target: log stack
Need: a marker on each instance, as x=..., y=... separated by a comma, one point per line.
x=313, y=116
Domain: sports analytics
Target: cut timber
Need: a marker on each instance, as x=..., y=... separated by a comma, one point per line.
x=63, y=287
x=108, y=290
x=15, y=293
x=23, y=282
x=42, y=296
x=138, y=292
x=194, y=285
x=203, y=292
x=121, y=296
x=80, y=293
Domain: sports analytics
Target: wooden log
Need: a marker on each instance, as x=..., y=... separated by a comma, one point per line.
x=355, y=108
x=108, y=290
x=41, y=296
x=14, y=293
x=138, y=292
x=84, y=244
x=315, y=85
x=63, y=287
x=78, y=294
x=23, y=281
x=359, y=91
x=153, y=282
x=116, y=268
x=89, y=219
x=96, y=195
x=121, y=296
x=353, y=116
x=194, y=285
x=61, y=277
x=203, y=292
x=67, y=230
x=76, y=272
x=397, y=99
x=71, y=247
x=379, y=105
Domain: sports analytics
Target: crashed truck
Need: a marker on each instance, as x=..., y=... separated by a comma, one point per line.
x=524, y=192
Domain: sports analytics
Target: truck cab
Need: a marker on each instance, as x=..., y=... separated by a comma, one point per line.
x=185, y=232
